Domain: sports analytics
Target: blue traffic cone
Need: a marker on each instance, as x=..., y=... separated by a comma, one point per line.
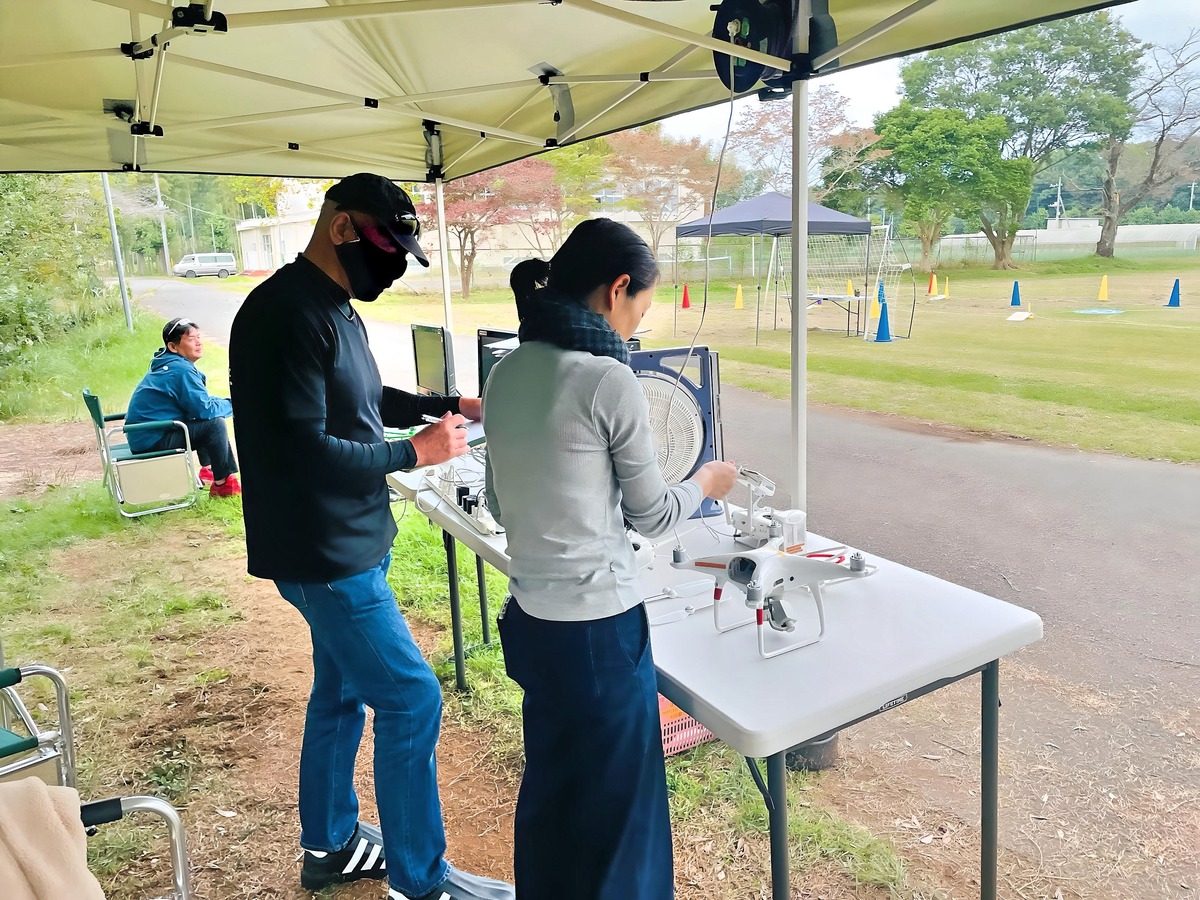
x=1173, y=303
x=883, y=333
x=1016, y=297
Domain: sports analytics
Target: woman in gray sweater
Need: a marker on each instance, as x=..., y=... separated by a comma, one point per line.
x=570, y=459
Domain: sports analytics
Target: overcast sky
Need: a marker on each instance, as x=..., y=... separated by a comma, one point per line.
x=873, y=89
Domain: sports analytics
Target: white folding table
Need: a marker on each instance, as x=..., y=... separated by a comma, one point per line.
x=890, y=637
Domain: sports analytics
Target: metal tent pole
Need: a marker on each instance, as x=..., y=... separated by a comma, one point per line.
x=444, y=254
x=116, y=244
x=799, y=304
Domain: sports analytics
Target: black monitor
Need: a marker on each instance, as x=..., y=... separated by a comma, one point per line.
x=434, y=356
x=487, y=358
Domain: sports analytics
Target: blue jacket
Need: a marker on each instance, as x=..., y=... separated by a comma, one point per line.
x=173, y=389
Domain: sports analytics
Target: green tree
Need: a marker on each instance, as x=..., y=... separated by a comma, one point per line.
x=1058, y=85
x=581, y=171
x=256, y=191
x=937, y=162
x=53, y=235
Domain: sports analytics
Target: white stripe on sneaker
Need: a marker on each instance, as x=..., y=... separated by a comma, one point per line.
x=358, y=854
x=376, y=849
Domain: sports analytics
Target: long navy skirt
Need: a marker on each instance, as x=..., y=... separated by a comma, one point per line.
x=592, y=821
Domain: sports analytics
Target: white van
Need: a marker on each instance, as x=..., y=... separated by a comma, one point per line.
x=220, y=264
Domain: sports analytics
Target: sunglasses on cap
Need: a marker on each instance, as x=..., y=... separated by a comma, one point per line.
x=177, y=329
x=386, y=236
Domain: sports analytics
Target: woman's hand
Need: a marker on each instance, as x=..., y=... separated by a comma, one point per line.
x=716, y=478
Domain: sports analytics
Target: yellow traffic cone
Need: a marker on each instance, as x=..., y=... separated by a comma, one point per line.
x=737, y=300
x=1103, y=295
x=849, y=287
x=946, y=289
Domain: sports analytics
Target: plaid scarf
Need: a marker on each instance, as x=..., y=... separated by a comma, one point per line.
x=572, y=327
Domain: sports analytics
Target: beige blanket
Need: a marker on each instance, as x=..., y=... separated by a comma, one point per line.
x=42, y=851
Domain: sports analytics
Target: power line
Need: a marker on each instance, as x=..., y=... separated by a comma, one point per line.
x=199, y=210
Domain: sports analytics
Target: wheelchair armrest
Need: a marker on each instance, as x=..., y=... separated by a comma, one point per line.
x=104, y=811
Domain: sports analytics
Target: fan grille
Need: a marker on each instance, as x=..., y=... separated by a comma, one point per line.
x=676, y=423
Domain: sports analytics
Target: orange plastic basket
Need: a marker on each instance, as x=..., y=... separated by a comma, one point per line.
x=679, y=730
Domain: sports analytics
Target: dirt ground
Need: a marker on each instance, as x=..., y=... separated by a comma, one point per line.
x=1084, y=814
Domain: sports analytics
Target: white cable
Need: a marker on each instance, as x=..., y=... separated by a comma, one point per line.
x=707, y=243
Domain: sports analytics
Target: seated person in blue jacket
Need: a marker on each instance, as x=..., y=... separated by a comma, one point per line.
x=174, y=389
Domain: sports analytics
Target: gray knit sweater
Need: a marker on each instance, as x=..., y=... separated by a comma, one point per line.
x=569, y=455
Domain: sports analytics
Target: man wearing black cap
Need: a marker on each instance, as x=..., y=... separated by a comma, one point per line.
x=311, y=409
x=175, y=390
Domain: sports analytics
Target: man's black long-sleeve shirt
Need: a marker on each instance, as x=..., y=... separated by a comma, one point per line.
x=309, y=409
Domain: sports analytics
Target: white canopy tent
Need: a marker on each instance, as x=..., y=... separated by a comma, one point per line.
x=428, y=90
x=416, y=89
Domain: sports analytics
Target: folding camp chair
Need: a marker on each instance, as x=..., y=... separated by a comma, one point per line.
x=27, y=749
x=143, y=483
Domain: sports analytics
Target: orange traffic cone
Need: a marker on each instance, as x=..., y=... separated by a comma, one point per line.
x=932, y=284
x=686, y=304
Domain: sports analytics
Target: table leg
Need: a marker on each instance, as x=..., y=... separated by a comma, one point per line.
x=989, y=779
x=460, y=662
x=483, y=609
x=777, y=810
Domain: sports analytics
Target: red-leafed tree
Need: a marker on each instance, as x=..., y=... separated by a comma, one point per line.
x=473, y=205
x=661, y=177
x=535, y=201
x=762, y=140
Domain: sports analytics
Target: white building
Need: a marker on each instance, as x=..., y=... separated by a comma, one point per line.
x=270, y=243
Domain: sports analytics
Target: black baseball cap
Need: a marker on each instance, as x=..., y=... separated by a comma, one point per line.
x=175, y=329
x=384, y=202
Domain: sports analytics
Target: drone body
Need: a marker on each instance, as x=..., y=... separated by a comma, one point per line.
x=765, y=574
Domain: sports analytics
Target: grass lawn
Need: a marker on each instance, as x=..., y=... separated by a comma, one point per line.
x=1127, y=383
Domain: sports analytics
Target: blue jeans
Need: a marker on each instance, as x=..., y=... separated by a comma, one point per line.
x=364, y=655
x=592, y=821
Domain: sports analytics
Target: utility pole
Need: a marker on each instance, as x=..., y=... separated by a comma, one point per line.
x=213, y=228
x=191, y=220
x=1058, y=203
x=116, y=245
x=1192, y=199
x=162, y=223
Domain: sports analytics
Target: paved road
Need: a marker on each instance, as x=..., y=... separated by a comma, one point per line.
x=1105, y=549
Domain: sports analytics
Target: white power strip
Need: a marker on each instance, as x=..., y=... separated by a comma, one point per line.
x=443, y=481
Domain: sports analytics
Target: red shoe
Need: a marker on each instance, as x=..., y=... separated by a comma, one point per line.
x=231, y=488
x=206, y=475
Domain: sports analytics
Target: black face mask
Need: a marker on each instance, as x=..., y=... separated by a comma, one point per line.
x=371, y=270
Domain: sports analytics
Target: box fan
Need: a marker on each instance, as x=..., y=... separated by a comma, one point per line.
x=685, y=410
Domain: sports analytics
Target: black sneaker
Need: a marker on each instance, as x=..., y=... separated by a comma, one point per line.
x=461, y=885
x=361, y=858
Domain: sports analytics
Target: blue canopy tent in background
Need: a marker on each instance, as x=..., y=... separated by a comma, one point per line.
x=772, y=214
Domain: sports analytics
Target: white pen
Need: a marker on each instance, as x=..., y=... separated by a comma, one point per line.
x=433, y=420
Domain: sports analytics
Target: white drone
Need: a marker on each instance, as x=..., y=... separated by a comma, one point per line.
x=765, y=574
